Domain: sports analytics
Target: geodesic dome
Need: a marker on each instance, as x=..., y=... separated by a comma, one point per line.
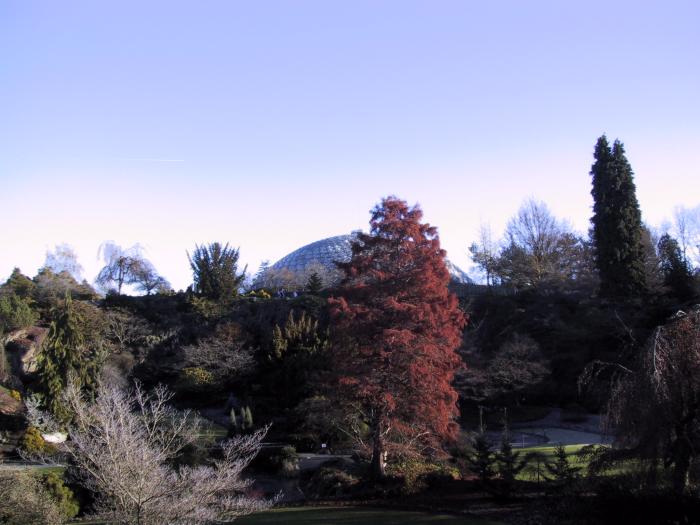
x=325, y=252
x=294, y=269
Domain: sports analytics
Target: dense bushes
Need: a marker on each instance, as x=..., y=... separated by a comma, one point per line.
x=330, y=482
x=62, y=495
x=16, y=312
x=26, y=501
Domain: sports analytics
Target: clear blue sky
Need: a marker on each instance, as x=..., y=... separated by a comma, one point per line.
x=272, y=124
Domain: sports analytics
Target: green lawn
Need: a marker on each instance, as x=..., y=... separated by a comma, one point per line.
x=548, y=450
x=355, y=515
x=530, y=474
x=548, y=453
x=210, y=432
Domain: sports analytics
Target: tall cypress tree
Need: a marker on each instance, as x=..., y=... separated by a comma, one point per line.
x=617, y=222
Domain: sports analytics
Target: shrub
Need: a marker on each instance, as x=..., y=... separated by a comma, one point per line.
x=206, y=308
x=33, y=444
x=418, y=474
x=25, y=502
x=16, y=312
x=63, y=496
x=195, y=378
x=288, y=461
x=328, y=482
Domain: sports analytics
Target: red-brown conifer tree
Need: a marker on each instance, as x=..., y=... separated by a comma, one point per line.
x=395, y=331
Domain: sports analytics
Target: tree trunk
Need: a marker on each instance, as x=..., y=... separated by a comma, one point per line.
x=378, y=461
x=681, y=469
x=682, y=453
x=378, y=452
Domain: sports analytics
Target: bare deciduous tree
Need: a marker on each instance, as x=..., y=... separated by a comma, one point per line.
x=128, y=266
x=147, y=280
x=517, y=365
x=485, y=253
x=124, y=328
x=539, y=247
x=120, y=266
x=537, y=250
x=124, y=445
x=64, y=259
x=223, y=354
x=686, y=228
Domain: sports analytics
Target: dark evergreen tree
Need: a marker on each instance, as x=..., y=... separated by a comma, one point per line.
x=562, y=472
x=72, y=351
x=18, y=284
x=296, y=357
x=60, y=357
x=315, y=284
x=617, y=223
x=652, y=265
x=675, y=269
x=509, y=462
x=215, y=271
x=482, y=461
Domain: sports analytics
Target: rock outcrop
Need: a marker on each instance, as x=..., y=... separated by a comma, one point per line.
x=23, y=347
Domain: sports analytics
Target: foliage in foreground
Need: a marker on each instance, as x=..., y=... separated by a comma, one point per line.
x=25, y=501
x=126, y=457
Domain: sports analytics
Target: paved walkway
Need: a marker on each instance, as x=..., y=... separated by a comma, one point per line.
x=557, y=427
x=23, y=465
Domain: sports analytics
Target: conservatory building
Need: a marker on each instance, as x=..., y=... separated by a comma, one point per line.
x=320, y=257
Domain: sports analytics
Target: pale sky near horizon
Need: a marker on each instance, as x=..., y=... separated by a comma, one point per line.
x=273, y=124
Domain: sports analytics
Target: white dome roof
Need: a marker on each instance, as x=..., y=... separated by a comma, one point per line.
x=321, y=256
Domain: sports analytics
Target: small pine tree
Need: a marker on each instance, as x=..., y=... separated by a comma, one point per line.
x=248, y=418
x=536, y=464
x=562, y=472
x=482, y=460
x=509, y=463
x=242, y=420
x=315, y=284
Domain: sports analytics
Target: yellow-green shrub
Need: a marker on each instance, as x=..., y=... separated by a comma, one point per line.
x=62, y=495
x=195, y=377
x=417, y=473
x=33, y=443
